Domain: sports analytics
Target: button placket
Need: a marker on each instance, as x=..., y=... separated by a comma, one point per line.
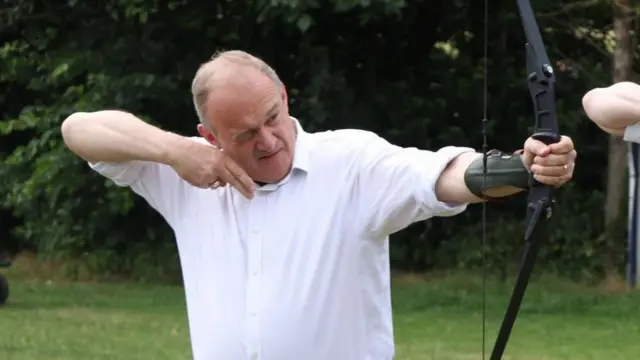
x=254, y=278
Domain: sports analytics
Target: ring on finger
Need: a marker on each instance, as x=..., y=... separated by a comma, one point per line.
x=215, y=185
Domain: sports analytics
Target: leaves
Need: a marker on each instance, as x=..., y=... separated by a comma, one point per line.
x=411, y=71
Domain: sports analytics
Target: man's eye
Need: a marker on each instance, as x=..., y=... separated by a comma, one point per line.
x=245, y=136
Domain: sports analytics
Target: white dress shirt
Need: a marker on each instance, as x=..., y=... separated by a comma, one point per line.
x=301, y=271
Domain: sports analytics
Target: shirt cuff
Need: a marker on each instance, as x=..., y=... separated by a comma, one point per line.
x=122, y=174
x=444, y=156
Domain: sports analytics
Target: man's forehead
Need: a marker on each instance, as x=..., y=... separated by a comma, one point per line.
x=244, y=88
x=248, y=98
x=241, y=97
x=240, y=117
x=258, y=116
x=243, y=102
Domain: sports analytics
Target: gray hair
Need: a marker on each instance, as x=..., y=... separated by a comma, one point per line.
x=204, y=80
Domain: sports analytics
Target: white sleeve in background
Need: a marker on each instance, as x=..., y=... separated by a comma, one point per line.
x=632, y=133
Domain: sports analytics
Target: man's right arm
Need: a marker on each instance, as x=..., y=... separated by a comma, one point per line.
x=131, y=153
x=113, y=136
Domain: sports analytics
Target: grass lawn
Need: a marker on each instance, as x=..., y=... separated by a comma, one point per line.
x=434, y=319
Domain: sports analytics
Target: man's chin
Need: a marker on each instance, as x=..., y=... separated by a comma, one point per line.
x=274, y=168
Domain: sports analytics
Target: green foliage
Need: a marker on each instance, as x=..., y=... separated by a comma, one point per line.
x=413, y=72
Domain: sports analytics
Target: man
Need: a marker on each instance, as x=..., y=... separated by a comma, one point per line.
x=615, y=109
x=283, y=234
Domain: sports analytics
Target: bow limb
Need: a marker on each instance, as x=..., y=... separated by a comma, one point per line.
x=541, y=81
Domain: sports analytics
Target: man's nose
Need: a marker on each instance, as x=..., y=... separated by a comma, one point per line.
x=267, y=141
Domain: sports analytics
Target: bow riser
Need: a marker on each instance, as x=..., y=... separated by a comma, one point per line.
x=541, y=82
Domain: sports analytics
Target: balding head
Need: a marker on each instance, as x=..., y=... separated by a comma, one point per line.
x=243, y=109
x=228, y=68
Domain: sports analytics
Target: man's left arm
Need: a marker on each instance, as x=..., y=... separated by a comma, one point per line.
x=463, y=180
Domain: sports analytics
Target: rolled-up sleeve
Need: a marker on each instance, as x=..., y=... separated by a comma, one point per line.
x=396, y=186
x=157, y=183
x=122, y=174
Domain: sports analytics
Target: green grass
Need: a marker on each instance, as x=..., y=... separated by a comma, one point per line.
x=434, y=319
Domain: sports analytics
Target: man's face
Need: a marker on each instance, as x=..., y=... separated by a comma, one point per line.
x=251, y=123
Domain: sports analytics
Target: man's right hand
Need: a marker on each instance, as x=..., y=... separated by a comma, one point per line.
x=203, y=165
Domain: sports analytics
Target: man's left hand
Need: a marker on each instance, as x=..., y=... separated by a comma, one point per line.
x=550, y=164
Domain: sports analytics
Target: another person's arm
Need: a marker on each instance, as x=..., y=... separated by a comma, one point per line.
x=615, y=109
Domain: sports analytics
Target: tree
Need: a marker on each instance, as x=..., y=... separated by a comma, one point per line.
x=616, y=174
x=410, y=71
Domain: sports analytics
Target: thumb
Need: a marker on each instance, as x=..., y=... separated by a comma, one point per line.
x=527, y=158
x=533, y=147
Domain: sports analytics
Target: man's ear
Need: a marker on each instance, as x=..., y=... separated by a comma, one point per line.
x=285, y=98
x=208, y=135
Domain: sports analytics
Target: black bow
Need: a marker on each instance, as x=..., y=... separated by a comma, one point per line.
x=541, y=81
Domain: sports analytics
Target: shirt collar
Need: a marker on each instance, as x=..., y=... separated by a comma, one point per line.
x=301, y=157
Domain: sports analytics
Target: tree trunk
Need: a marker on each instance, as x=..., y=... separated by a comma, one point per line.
x=617, y=170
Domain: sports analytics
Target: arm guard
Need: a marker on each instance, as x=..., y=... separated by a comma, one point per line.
x=503, y=169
